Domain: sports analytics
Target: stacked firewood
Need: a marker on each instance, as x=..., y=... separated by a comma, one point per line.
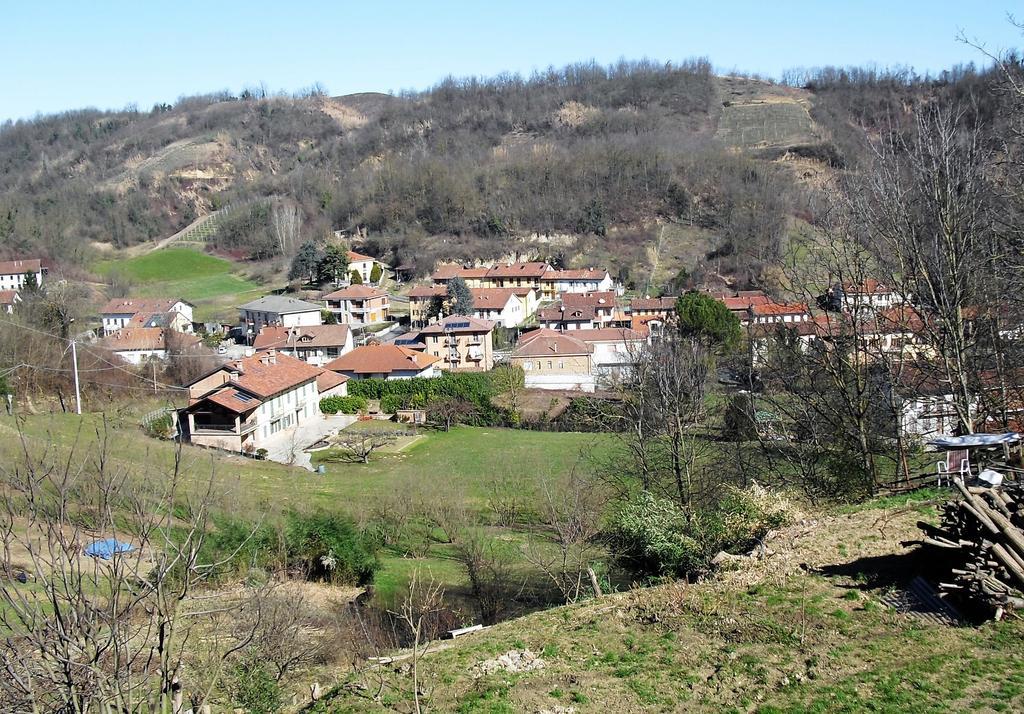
x=982, y=541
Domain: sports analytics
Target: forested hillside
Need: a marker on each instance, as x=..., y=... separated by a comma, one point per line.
x=592, y=158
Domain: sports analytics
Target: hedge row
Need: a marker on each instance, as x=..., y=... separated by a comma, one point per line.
x=419, y=392
x=346, y=405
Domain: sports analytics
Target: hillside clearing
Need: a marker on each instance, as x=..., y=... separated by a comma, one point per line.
x=210, y=282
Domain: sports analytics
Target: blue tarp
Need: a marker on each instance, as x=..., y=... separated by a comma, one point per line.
x=106, y=549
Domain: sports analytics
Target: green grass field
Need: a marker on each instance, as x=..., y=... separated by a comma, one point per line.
x=212, y=283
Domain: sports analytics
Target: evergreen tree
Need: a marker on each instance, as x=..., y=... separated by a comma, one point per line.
x=305, y=263
x=460, y=299
x=376, y=274
x=333, y=265
x=708, y=319
x=356, y=278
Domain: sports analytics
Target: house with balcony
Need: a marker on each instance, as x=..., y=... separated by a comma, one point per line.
x=255, y=402
x=278, y=310
x=358, y=305
x=563, y=319
x=555, y=360
x=167, y=313
x=613, y=350
x=316, y=344
x=376, y=361
x=461, y=343
x=14, y=274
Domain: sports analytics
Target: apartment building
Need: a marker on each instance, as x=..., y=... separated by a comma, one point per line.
x=462, y=343
x=359, y=305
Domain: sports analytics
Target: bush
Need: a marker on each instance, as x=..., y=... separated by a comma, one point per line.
x=238, y=545
x=656, y=536
x=346, y=405
x=329, y=547
x=474, y=387
x=254, y=688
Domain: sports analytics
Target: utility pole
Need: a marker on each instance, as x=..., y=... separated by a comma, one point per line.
x=78, y=393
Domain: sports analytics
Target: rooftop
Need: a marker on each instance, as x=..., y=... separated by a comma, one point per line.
x=20, y=267
x=545, y=342
x=144, y=338
x=269, y=372
x=311, y=336
x=458, y=324
x=280, y=305
x=355, y=292
x=582, y=274
x=382, y=359
x=136, y=306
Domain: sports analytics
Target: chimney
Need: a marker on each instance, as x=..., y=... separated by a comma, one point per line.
x=272, y=356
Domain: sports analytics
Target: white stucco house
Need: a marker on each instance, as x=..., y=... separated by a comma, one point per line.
x=14, y=273
x=169, y=313
x=278, y=310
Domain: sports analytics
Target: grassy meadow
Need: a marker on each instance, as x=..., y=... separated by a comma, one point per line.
x=211, y=283
x=461, y=467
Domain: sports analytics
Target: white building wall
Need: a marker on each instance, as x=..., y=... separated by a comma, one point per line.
x=16, y=281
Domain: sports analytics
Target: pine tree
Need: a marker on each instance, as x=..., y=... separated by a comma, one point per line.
x=460, y=299
x=305, y=263
x=376, y=274
x=333, y=265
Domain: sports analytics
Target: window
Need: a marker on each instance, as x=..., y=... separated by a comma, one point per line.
x=549, y=364
x=527, y=366
x=538, y=364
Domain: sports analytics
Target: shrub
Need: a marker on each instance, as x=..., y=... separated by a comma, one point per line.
x=254, y=688
x=328, y=546
x=656, y=536
x=476, y=388
x=346, y=405
x=237, y=546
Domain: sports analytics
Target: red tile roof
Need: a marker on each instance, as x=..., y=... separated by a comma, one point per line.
x=20, y=267
x=233, y=400
x=658, y=303
x=382, y=359
x=545, y=342
x=519, y=270
x=870, y=286
x=7, y=297
x=329, y=380
x=585, y=313
x=355, y=292
x=491, y=298
x=745, y=302
x=449, y=271
x=428, y=291
x=311, y=336
x=268, y=373
x=599, y=298
x=779, y=308
x=136, y=306
x=144, y=338
x=354, y=257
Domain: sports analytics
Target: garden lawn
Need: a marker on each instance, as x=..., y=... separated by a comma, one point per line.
x=205, y=280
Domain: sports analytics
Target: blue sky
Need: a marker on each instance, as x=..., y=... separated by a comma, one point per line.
x=64, y=54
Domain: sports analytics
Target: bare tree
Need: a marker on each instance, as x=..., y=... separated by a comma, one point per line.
x=286, y=223
x=450, y=410
x=571, y=515
x=88, y=633
x=422, y=600
x=356, y=446
x=488, y=565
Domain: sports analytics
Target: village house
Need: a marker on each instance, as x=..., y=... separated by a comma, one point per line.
x=363, y=264
x=135, y=345
x=14, y=273
x=473, y=277
x=278, y=310
x=587, y=280
x=660, y=308
x=562, y=318
x=613, y=351
x=256, y=402
x=508, y=307
x=462, y=343
x=869, y=294
x=772, y=312
x=741, y=303
x=554, y=360
x=606, y=310
x=377, y=361
x=359, y=305
x=9, y=299
x=315, y=344
x=169, y=313
x=422, y=301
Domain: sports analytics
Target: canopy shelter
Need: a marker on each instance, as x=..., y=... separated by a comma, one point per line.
x=975, y=441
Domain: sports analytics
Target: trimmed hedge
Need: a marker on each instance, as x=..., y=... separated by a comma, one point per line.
x=346, y=405
x=419, y=392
